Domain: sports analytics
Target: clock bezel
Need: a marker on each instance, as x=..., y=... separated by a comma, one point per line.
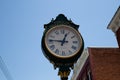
x=74, y=31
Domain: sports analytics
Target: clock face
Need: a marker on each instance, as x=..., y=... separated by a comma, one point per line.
x=63, y=41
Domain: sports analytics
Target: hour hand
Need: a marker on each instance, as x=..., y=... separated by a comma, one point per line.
x=63, y=41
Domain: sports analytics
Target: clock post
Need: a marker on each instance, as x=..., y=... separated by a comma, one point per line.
x=62, y=44
x=64, y=72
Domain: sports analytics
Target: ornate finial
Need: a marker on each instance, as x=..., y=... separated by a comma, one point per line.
x=61, y=17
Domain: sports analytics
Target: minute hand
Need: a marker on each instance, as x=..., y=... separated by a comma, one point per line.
x=57, y=41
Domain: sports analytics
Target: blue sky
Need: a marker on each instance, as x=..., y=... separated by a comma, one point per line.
x=21, y=29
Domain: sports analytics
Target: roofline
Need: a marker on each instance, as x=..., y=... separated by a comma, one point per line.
x=113, y=18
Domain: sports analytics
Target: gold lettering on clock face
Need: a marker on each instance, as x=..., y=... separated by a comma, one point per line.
x=63, y=41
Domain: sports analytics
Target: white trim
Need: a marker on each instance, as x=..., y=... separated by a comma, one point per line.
x=79, y=65
x=114, y=25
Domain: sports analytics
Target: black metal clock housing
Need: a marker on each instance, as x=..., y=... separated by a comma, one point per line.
x=61, y=42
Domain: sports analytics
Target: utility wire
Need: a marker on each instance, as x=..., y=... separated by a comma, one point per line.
x=5, y=70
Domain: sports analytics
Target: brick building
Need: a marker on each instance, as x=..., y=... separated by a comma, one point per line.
x=100, y=63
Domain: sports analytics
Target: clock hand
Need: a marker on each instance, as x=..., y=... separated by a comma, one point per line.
x=63, y=41
x=57, y=41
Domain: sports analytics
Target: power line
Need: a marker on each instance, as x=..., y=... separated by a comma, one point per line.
x=5, y=70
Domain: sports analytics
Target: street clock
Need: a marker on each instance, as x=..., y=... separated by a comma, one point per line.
x=62, y=43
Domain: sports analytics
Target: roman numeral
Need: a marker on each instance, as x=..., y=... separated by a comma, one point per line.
x=70, y=52
x=75, y=42
x=56, y=32
x=52, y=36
x=52, y=47
x=74, y=47
x=62, y=31
x=72, y=37
x=50, y=41
x=63, y=53
x=57, y=51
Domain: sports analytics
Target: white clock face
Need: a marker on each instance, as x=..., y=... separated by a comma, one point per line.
x=63, y=41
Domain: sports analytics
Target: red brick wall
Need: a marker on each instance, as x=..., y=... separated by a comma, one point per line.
x=83, y=73
x=105, y=63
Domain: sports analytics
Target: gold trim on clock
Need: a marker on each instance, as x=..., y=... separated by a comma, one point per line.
x=73, y=35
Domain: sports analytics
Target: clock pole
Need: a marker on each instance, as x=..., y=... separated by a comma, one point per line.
x=64, y=72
